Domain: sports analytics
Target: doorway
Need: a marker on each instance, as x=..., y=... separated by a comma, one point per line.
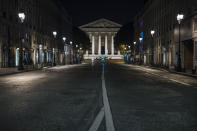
x=188, y=55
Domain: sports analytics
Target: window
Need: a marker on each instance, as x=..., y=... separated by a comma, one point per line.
x=195, y=24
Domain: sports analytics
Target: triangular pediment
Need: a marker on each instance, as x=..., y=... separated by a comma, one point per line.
x=102, y=23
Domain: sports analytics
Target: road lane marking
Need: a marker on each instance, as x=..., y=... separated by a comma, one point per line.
x=105, y=111
x=97, y=122
x=165, y=77
x=180, y=82
x=183, y=83
x=108, y=115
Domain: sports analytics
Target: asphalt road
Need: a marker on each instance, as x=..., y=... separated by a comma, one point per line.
x=148, y=100
x=57, y=99
x=68, y=98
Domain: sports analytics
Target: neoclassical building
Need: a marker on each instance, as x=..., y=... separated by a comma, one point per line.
x=102, y=33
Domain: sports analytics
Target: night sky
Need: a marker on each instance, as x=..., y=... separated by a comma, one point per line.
x=85, y=11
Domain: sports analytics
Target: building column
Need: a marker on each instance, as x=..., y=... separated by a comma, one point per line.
x=99, y=48
x=106, y=47
x=112, y=45
x=93, y=45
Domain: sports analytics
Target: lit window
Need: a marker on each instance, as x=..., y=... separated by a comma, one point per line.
x=195, y=24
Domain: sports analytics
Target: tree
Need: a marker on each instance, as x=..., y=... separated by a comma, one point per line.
x=124, y=36
x=81, y=39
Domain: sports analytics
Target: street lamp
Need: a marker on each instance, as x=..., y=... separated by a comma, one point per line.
x=152, y=59
x=54, y=34
x=65, y=49
x=140, y=49
x=64, y=39
x=152, y=32
x=22, y=19
x=71, y=52
x=54, y=61
x=134, y=49
x=140, y=39
x=179, y=19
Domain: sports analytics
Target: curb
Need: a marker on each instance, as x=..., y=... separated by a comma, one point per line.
x=12, y=73
x=171, y=71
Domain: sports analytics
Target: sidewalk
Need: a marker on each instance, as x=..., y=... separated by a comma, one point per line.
x=177, y=77
x=10, y=71
x=173, y=71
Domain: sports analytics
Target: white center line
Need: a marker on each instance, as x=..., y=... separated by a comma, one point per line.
x=105, y=111
x=108, y=115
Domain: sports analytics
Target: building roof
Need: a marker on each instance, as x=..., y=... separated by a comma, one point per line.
x=101, y=23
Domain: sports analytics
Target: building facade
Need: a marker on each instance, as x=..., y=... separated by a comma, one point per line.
x=102, y=33
x=40, y=47
x=162, y=47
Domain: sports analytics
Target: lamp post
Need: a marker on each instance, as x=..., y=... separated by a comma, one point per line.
x=179, y=19
x=65, y=50
x=129, y=47
x=140, y=49
x=152, y=58
x=55, y=35
x=64, y=39
x=71, y=52
x=134, y=43
x=22, y=19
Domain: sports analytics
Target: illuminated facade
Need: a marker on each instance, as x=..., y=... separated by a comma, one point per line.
x=39, y=46
x=102, y=33
x=161, y=16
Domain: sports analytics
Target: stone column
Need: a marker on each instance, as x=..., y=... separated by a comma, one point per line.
x=93, y=44
x=112, y=45
x=99, y=48
x=106, y=50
